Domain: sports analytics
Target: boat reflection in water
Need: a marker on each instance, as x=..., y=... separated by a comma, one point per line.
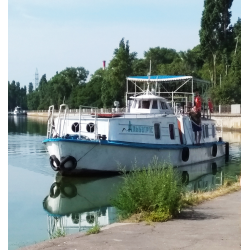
x=205, y=176
x=77, y=204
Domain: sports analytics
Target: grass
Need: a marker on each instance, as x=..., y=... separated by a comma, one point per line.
x=157, y=194
x=192, y=198
x=94, y=230
x=151, y=194
x=58, y=233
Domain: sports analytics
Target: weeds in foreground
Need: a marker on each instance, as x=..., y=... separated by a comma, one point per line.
x=229, y=186
x=157, y=193
x=58, y=233
x=94, y=230
x=151, y=194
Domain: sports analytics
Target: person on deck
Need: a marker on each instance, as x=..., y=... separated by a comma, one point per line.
x=195, y=116
x=197, y=101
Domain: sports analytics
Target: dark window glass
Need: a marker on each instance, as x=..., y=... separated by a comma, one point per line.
x=163, y=105
x=213, y=131
x=157, y=131
x=203, y=131
x=206, y=129
x=154, y=105
x=145, y=104
x=139, y=106
x=171, y=131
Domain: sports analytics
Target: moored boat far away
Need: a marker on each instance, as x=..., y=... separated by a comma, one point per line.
x=18, y=111
x=150, y=127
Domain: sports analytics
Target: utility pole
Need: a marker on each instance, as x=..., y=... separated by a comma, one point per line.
x=36, y=79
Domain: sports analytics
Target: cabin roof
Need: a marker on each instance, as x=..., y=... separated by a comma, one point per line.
x=148, y=97
x=158, y=78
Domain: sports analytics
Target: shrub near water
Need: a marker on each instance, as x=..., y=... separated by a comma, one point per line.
x=153, y=193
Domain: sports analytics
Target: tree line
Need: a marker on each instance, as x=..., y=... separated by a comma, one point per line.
x=217, y=59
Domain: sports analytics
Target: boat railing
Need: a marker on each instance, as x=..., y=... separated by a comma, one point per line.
x=61, y=120
x=50, y=124
x=84, y=113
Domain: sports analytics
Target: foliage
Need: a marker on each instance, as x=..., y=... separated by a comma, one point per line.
x=58, y=233
x=154, y=192
x=217, y=59
x=94, y=230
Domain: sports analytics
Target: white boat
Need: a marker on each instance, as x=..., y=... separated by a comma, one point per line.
x=19, y=111
x=150, y=127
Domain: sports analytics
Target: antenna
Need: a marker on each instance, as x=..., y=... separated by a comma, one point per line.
x=149, y=73
x=36, y=79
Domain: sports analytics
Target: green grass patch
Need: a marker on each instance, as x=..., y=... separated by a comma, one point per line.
x=153, y=193
x=58, y=233
x=94, y=230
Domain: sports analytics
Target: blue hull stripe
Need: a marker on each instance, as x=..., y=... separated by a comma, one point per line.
x=134, y=145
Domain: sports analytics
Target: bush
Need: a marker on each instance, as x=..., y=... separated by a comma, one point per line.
x=154, y=192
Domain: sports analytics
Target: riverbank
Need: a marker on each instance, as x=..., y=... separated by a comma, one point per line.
x=228, y=122
x=214, y=224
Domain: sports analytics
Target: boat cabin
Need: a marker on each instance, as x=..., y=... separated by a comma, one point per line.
x=150, y=104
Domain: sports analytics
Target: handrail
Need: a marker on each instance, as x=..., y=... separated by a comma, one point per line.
x=50, y=121
x=59, y=120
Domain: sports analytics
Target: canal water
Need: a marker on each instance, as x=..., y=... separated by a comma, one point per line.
x=41, y=202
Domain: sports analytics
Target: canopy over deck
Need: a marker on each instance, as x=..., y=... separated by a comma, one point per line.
x=160, y=78
x=160, y=84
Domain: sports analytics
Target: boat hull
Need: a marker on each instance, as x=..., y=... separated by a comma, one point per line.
x=114, y=156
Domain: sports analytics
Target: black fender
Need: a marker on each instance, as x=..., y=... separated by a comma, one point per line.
x=52, y=193
x=68, y=190
x=214, y=150
x=53, y=159
x=67, y=159
x=185, y=154
x=185, y=177
x=214, y=168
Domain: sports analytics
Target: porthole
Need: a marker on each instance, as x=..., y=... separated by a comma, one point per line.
x=90, y=218
x=75, y=127
x=90, y=127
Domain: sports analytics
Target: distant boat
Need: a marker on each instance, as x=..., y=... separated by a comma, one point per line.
x=19, y=111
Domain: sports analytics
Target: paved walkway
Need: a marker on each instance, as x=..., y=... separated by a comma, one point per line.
x=215, y=224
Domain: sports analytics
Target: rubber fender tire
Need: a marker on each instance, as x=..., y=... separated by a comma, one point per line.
x=214, y=150
x=52, y=159
x=185, y=154
x=68, y=158
x=214, y=168
x=53, y=194
x=185, y=177
x=68, y=185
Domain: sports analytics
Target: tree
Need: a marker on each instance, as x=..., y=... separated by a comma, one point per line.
x=31, y=88
x=215, y=32
x=158, y=56
x=114, y=82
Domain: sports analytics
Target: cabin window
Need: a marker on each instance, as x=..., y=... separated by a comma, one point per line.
x=171, y=131
x=213, y=131
x=157, y=131
x=134, y=104
x=154, y=104
x=164, y=105
x=206, y=130
x=145, y=104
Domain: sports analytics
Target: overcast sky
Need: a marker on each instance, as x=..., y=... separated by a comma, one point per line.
x=51, y=35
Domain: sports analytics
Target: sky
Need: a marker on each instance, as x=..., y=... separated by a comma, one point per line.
x=50, y=35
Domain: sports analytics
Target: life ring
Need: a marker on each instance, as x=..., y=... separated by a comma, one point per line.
x=185, y=177
x=52, y=192
x=214, y=150
x=68, y=159
x=52, y=160
x=68, y=190
x=185, y=154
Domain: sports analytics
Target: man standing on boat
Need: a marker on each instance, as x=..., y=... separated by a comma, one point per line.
x=197, y=101
x=195, y=116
